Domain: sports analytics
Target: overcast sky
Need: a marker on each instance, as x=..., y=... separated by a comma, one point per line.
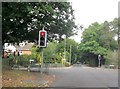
x=90, y=11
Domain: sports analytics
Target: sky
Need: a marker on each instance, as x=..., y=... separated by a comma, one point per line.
x=90, y=11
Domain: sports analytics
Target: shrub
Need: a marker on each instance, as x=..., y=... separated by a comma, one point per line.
x=23, y=60
x=67, y=64
x=112, y=58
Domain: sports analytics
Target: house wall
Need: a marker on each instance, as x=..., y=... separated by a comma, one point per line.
x=28, y=52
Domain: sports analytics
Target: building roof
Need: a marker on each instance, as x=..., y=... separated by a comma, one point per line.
x=27, y=46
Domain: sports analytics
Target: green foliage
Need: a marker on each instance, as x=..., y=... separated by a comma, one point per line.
x=91, y=33
x=112, y=57
x=59, y=57
x=11, y=56
x=67, y=64
x=22, y=21
x=103, y=34
x=92, y=47
x=67, y=55
x=73, y=44
x=49, y=52
x=25, y=57
x=54, y=51
x=99, y=39
x=39, y=59
x=34, y=53
x=24, y=60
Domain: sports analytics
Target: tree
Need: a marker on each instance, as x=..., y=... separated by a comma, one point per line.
x=91, y=33
x=22, y=21
x=109, y=34
x=102, y=33
x=74, y=50
x=49, y=53
x=98, y=39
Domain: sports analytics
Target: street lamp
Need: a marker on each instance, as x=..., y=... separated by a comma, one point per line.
x=70, y=55
x=64, y=36
x=65, y=48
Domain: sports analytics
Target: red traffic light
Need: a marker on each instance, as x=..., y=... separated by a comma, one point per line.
x=42, y=33
x=42, y=38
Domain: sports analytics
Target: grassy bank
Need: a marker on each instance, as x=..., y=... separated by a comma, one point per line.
x=17, y=78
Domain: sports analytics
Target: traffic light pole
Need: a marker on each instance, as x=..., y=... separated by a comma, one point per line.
x=42, y=62
x=42, y=43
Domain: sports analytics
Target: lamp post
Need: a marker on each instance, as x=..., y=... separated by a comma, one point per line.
x=70, y=55
x=64, y=54
x=65, y=48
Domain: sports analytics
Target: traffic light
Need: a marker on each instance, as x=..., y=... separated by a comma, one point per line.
x=42, y=38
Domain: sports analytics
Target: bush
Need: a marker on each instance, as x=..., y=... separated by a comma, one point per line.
x=67, y=64
x=25, y=56
x=23, y=60
x=112, y=58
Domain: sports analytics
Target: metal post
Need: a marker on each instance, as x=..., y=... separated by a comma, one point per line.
x=70, y=55
x=65, y=48
x=99, y=59
x=99, y=63
x=42, y=62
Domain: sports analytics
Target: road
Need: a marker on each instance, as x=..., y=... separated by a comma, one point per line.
x=85, y=77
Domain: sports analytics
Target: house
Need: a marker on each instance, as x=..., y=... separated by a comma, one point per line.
x=24, y=48
x=8, y=49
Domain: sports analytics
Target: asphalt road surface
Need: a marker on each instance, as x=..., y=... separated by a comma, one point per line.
x=80, y=77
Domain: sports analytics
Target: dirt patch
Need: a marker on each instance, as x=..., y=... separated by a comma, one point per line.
x=17, y=78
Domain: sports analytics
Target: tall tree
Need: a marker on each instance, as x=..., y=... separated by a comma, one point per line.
x=23, y=20
x=104, y=34
x=98, y=39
